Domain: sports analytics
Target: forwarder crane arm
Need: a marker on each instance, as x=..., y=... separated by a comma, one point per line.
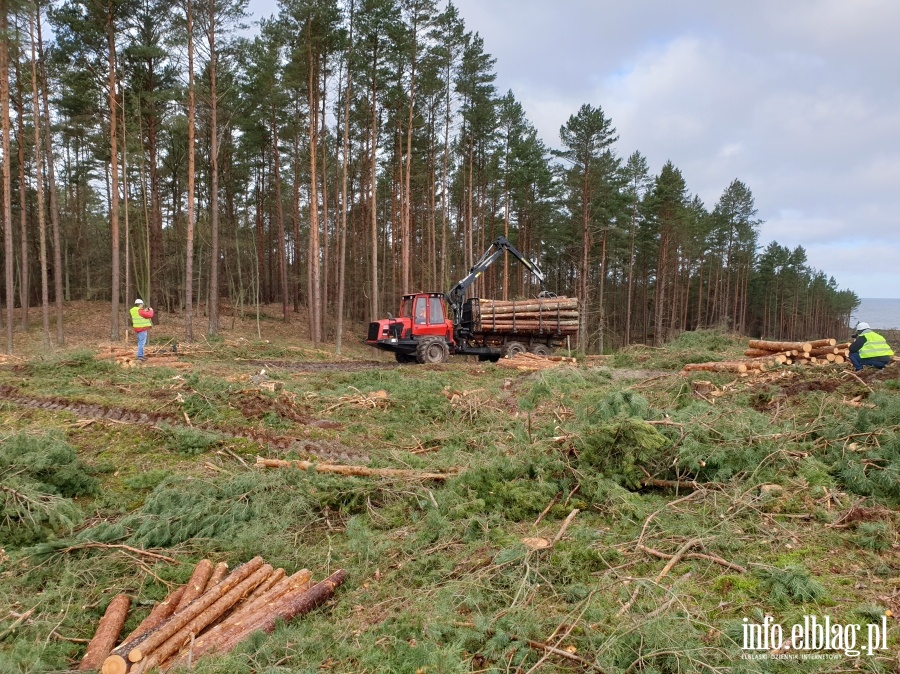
x=457, y=294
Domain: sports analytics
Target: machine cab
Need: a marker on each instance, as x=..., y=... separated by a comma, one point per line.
x=426, y=313
x=421, y=315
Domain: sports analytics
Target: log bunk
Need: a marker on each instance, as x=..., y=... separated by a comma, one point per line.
x=763, y=354
x=212, y=613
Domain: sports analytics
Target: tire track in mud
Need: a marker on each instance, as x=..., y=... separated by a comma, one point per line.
x=330, y=451
x=300, y=366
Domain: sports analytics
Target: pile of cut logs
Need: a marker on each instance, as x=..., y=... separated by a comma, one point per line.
x=762, y=354
x=212, y=613
x=815, y=352
x=557, y=315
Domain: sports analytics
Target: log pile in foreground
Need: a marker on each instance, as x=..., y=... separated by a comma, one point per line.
x=531, y=361
x=762, y=354
x=212, y=613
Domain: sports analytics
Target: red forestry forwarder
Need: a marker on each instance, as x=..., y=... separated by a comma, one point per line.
x=423, y=332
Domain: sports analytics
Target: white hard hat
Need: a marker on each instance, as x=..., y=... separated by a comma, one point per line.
x=139, y=301
x=862, y=326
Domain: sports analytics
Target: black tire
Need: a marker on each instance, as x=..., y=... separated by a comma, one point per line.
x=514, y=349
x=404, y=357
x=432, y=350
x=541, y=350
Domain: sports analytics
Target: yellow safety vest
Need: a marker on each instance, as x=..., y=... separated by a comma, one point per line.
x=875, y=346
x=138, y=321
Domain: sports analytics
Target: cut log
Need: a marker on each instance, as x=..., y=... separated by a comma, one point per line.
x=108, y=630
x=160, y=612
x=544, y=305
x=356, y=471
x=197, y=583
x=839, y=359
x=289, y=607
x=177, y=620
x=173, y=644
x=724, y=366
x=823, y=350
x=217, y=576
x=263, y=587
x=778, y=346
x=823, y=342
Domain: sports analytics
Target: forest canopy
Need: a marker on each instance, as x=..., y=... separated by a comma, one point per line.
x=335, y=156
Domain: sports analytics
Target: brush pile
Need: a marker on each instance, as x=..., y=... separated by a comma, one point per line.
x=127, y=358
x=212, y=613
x=761, y=355
x=529, y=362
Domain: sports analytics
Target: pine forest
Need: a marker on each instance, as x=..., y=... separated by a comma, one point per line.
x=334, y=156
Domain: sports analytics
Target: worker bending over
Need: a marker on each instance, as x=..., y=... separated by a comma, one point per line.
x=869, y=348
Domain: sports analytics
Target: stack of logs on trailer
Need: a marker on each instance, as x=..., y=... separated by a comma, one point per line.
x=212, y=613
x=544, y=316
x=762, y=354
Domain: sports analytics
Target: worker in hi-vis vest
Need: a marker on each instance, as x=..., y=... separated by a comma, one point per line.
x=869, y=348
x=141, y=322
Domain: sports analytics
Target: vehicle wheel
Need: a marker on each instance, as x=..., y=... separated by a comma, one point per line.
x=514, y=349
x=434, y=350
x=541, y=350
x=404, y=357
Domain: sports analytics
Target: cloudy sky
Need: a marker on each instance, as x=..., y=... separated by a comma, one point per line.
x=799, y=99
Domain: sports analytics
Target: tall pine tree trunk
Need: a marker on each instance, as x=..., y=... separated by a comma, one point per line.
x=24, y=289
x=342, y=232
x=279, y=221
x=373, y=187
x=315, y=291
x=39, y=188
x=7, y=190
x=189, y=247
x=114, y=174
x=214, y=179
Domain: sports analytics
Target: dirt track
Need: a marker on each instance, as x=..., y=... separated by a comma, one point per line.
x=301, y=366
x=332, y=451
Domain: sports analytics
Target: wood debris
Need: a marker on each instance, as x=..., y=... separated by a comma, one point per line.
x=375, y=400
x=127, y=358
x=530, y=362
x=228, y=609
x=355, y=471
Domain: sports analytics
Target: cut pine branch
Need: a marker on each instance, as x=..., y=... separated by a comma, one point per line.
x=356, y=471
x=108, y=630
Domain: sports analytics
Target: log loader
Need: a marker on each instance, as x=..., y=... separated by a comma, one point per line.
x=430, y=326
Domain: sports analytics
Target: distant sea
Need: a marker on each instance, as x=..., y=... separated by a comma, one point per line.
x=880, y=313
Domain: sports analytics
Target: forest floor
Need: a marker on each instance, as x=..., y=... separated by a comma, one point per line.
x=702, y=509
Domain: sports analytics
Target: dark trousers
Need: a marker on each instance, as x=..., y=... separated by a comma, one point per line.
x=859, y=363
